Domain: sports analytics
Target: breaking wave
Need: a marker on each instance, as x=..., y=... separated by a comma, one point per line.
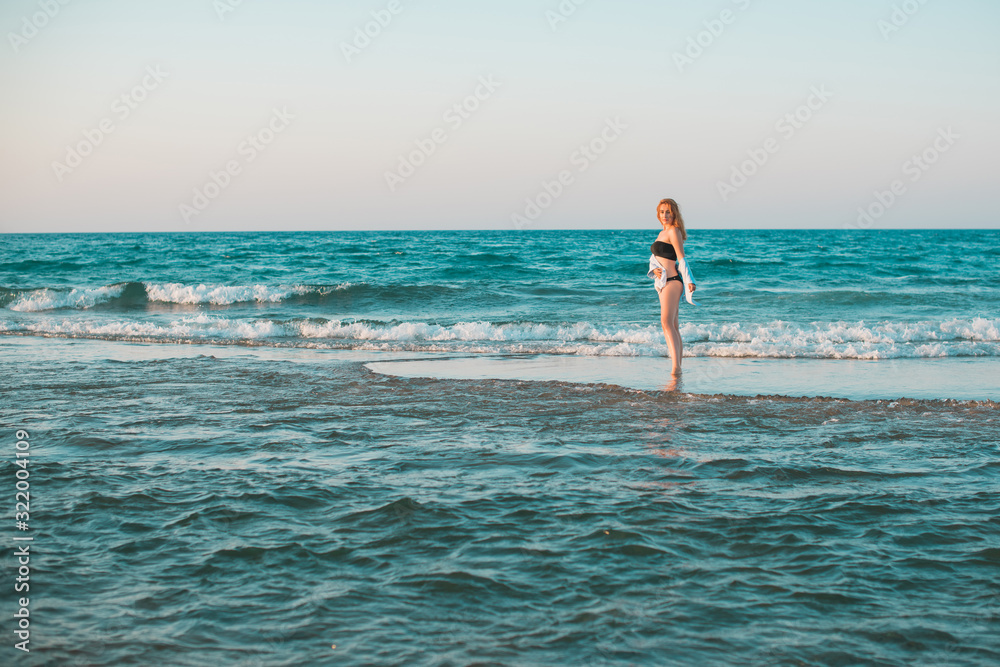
x=824, y=340
x=137, y=294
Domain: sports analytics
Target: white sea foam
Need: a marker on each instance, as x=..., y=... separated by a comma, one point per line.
x=219, y=295
x=200, y=327
x=847, y=340
x=779, y=339
x=49, y=299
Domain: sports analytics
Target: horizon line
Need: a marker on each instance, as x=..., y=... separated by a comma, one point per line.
x=503, y=229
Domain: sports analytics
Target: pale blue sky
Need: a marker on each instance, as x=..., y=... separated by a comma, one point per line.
x=684, y=131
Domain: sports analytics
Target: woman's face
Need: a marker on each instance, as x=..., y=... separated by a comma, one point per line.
x=665, y=215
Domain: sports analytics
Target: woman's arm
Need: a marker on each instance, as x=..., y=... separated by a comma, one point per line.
x=674, y=236
x=677, y=242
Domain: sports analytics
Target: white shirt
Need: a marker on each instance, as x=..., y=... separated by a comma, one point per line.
x=682, y=268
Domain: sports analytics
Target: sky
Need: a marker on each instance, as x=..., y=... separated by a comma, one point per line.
x=247, y=115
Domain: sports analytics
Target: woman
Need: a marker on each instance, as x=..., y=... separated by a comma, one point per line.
x=668, y=264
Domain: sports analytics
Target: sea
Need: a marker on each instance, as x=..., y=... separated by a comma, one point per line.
x=466, y=448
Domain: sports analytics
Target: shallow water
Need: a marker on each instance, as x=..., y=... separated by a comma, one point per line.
x=258, y=511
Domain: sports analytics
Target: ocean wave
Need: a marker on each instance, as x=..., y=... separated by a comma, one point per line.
x=200, y=328
x=30, y=301
x=847, y=340
x=779, y=339
x=219, y=295
x=139, y=294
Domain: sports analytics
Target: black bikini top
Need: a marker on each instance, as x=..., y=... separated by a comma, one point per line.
x=661, y=249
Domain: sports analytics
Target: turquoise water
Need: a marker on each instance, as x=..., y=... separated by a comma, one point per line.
x=218, y=478
x=815, y=294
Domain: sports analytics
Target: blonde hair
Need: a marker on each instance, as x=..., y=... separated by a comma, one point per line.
x=676, y=211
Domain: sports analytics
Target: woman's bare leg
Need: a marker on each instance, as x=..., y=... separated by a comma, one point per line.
x=677, y=324
x=669, y=305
